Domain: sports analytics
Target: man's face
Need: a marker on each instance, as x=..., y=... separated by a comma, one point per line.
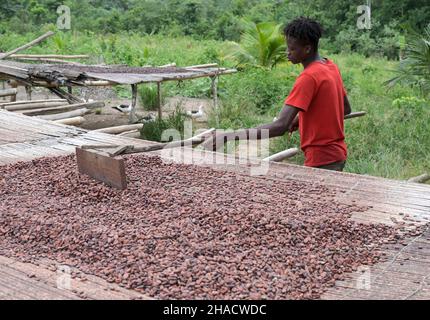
x=297, y=52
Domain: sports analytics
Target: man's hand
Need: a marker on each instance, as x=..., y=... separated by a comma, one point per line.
x=288, y=121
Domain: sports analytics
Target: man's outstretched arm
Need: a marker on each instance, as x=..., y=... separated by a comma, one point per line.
x=284, y=123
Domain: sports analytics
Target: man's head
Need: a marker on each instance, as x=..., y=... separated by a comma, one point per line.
x=302, y=36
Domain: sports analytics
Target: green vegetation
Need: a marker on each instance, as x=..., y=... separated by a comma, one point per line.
x=415, y=69
x=149, y=97
x=261, y=45
x=158, y=130
x=223, y=19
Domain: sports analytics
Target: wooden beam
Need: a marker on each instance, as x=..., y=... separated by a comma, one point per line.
x=50, y=56
x=28, y=92
x=13, y=98
x=31, y=106
x=8, y=92
x=131, y=134
x=202, y=66
x=66, y=115
x=8, y=104
x=215, y=98
x=120, y=129
x=160, y=111
x=65, y=95
x=49, y=60
x=133, y=103
x=199, y=75
x=19, y=73
x=70, y=107
x=100, y=83
x=28, y=45
x=76, y=121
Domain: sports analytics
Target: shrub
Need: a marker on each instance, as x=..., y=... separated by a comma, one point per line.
x=153, y=130
x=149, y=97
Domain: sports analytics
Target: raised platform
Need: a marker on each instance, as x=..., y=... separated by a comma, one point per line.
x=405, y=276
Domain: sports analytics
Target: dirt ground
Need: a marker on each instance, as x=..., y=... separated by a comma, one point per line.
x=109, y=117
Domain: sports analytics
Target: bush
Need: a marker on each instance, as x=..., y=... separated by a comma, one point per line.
x=154, y=130
x=149, y=97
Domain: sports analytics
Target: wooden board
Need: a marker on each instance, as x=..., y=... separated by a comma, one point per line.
x=102, y=167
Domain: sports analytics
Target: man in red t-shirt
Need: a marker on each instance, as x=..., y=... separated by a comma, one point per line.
x=316, y=105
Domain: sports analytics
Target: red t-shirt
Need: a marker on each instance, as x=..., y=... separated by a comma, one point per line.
x=319, y=94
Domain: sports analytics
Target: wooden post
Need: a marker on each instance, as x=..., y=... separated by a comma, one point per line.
x=28, y=91
x=160, y=111
x=14, y=86
x=215, y=97
x=133, y=102
x=70, y=89
x=3, y=86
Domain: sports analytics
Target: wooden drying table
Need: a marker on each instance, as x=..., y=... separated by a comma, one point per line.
x=405, y=276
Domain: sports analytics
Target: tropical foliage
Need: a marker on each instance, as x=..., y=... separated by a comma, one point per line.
x=261, y=44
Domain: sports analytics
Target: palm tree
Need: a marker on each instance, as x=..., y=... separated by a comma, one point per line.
x=414, y=70
x=261, y=45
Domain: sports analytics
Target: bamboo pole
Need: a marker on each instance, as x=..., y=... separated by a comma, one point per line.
x=28, y=45
x=71, y=121
x=160, y=111
x=202, y=75
x=133, y=103
x=28, y=91
x=130, y=134
x=70, y=107
x=7, y=104
x=286, y=154
x=66, y=115
x=50, y=56
x=32, y=106
x=120, y=129
x=202, y=66
x=215, y=97
x=48, y=60
x=170, y=65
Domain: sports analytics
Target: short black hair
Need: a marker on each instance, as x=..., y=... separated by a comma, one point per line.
x=305, y=30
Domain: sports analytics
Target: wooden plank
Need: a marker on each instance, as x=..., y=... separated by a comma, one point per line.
x=103, y=168
x=30, y=102
x=70, y=107
x=8, y=93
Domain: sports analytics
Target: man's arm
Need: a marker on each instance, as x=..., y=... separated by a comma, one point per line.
x=277, y=128
x=347, y=106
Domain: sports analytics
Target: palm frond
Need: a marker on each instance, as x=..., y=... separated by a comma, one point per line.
x=261, y=45
x=414, y=70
